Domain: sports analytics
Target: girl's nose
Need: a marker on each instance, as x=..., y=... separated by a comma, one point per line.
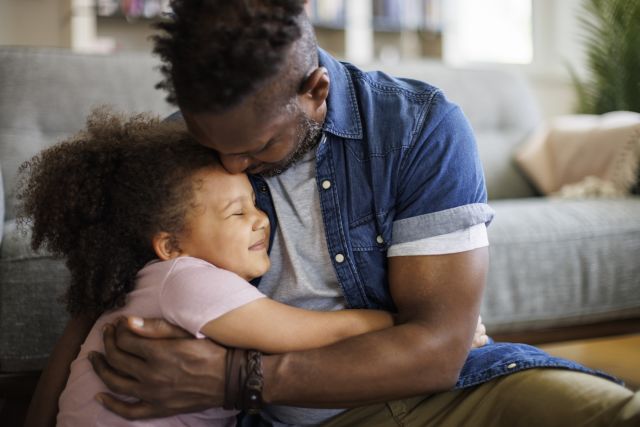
x=262, y=220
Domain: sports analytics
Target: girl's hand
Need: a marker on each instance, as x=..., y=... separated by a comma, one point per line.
x=480, y=337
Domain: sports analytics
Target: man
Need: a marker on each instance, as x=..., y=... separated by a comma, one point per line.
x=377, y=200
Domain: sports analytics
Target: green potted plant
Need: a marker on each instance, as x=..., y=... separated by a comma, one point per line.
x=611, y=31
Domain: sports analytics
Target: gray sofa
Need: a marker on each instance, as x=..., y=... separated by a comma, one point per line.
x=568, y=266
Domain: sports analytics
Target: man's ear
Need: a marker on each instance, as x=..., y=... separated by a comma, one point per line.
x=164, y=245
x=315, y=87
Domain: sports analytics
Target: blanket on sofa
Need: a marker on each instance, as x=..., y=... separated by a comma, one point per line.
x=584, y=155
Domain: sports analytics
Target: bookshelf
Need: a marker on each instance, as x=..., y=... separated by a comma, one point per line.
x=131, y=10
x=360, y=30
x=396, y=29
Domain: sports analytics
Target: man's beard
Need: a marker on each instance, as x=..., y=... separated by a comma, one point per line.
x=308, y=134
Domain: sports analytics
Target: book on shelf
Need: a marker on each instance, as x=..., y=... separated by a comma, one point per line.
x=147, y=9
x=388, y=15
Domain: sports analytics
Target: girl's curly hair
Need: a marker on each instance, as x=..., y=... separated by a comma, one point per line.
x=217, y=52
x=99, y=197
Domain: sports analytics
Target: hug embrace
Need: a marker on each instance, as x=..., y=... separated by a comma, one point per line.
x=303, y=244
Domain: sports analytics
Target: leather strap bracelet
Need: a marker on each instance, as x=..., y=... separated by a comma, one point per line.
x=252, y=393
x=233, y=377
x=243, y=380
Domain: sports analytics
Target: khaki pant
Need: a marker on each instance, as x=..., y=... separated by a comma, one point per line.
x=536, y=397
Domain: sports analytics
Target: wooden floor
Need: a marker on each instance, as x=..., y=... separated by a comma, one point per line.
x=618, y=356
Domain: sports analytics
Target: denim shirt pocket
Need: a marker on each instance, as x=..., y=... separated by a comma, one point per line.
x=370, y=237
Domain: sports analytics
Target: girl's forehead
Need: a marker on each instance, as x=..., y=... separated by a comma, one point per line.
x=218, y=183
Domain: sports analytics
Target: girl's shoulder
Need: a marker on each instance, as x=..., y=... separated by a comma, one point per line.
x=171, y=266
x=184, y=267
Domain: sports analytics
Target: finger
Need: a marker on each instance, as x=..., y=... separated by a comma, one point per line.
x=129, y=344
x=479, y=341
x=155, y=328
x=112, y=379
x=128, y=410
x=121, y=358
x=484, y=340
x=481, y=329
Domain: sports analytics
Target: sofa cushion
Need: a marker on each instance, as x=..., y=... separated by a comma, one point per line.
x=562, y=262
x=46, y=94
x=31, y=313
x=496, y=149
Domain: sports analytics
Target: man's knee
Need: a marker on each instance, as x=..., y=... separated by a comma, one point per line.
x=535, y=397
x=561, y=397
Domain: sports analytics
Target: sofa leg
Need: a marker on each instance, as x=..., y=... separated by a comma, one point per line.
x=16, y=389
x=14, y=411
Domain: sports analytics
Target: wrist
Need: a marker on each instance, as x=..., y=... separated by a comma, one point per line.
x=243, y=380
x=273, y=367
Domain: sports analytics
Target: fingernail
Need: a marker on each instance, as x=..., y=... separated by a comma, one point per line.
x=136, y=321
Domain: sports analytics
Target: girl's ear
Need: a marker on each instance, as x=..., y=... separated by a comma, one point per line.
x=164, y=245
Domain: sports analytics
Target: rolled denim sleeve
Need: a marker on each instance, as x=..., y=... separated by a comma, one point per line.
x=441, y=186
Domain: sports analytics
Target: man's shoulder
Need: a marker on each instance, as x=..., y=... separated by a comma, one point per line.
x=381, y=83
x=378, y=81
x=404, y=102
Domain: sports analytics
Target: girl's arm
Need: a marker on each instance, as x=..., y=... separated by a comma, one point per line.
x=273, y=327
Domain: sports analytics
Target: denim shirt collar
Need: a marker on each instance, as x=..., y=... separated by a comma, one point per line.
x=343, y=116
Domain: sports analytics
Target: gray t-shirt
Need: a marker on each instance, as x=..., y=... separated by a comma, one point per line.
x=301, y=272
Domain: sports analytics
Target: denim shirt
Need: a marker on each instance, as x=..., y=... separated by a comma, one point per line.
x=397, y=163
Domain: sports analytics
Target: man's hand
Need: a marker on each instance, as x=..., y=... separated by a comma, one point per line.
x=163, y=366
x=480, y=337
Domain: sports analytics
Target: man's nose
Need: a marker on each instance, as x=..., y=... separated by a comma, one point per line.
x=235, y=164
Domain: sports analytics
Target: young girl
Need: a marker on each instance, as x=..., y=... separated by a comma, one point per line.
x=151, y=225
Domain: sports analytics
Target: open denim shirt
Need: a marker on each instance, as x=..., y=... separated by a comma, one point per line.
x=398, y=162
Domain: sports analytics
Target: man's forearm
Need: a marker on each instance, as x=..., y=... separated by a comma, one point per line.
x=438, y=300
x=402, y=361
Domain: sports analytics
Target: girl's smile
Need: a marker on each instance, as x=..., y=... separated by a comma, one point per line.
x=224, y=226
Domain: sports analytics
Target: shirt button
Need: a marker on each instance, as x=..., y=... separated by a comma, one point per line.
x=263, y=188
x=511, y=366
x=339, y=258
x=326, y=184
x=380, y=240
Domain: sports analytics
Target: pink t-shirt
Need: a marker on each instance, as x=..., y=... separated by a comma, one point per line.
x=186, y=291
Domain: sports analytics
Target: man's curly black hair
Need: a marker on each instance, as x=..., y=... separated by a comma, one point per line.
x=98, y=198
x=217, y=52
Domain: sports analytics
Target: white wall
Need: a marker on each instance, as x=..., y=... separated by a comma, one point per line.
x=35, y=23
x=556, y=45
